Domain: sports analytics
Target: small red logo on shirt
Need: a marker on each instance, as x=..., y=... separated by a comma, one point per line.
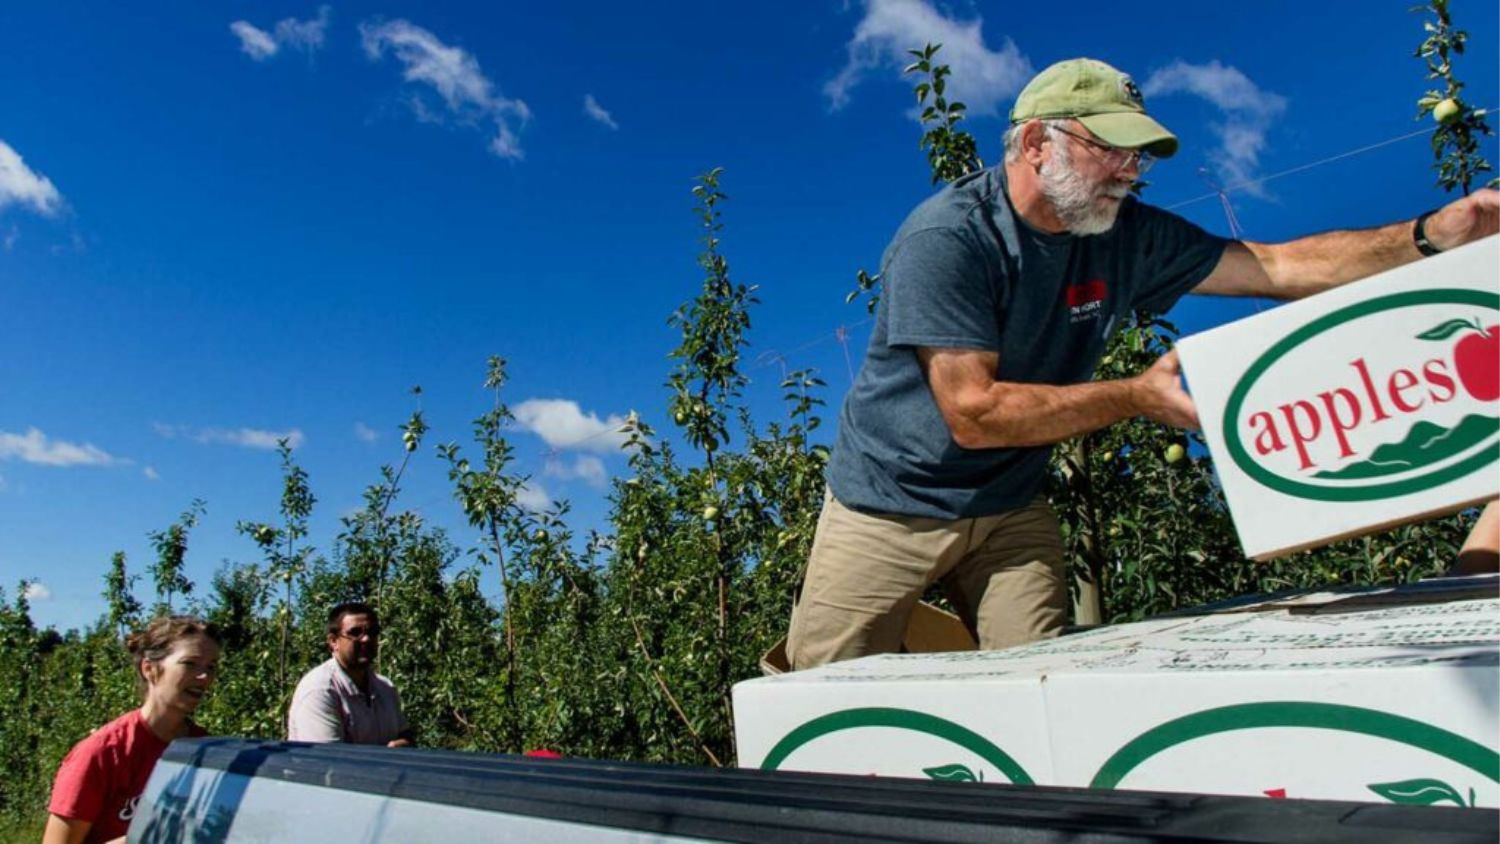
x=1086, y=299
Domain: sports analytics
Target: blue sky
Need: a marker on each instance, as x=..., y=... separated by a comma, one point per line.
x=225, y=222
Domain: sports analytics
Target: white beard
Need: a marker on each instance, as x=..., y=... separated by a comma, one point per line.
x=1074, y=199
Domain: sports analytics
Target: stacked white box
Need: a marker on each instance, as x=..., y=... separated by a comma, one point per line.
x=1397, y=703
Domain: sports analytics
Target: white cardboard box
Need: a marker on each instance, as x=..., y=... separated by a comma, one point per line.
x=1370, y=405
x=1399, y=703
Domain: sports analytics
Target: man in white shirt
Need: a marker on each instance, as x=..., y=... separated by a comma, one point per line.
x=343, y=699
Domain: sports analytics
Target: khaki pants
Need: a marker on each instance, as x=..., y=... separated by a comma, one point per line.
x=1003, y=573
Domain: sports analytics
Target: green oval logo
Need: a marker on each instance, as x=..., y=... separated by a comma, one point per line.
x=901, y=719
x=1320, y=716
x=1428, y=455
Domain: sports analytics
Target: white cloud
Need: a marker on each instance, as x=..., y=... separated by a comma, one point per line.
x=586, y=468
x=983, y=79
x=596, y=112
x=243, y=437
x=469, y=96
x=307, y=35
x=35, y=447
x=533, y=497
x=151, y=473
x=20, y=185
x=256, y=43
x=562, y=424
x=364, y=433
x=250, y=437
x=1248, y=113
x=38, y=591
x=304, y=36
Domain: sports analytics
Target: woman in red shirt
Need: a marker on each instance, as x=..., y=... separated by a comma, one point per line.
x=102, y=777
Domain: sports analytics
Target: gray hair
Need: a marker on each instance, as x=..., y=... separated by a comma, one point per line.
x=1013, y=136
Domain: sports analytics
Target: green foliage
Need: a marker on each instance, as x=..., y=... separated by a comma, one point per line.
x=28, y=828
x=705, y=555
x=124, y=609
x=371, y=536
x=951, y=153
x=1455, y=142
x=286, y=562
x=171, y=550
x=246, y=700
x=53, y=690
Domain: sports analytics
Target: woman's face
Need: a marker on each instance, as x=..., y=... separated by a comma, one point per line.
x=181, y=678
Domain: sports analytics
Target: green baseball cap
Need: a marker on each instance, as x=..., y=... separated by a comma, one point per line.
x=1103, y=99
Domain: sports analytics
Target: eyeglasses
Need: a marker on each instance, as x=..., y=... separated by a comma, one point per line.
x=361, y=632
x=1116, y=158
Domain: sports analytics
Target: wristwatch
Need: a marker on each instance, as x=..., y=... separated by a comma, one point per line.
x=1419, y=236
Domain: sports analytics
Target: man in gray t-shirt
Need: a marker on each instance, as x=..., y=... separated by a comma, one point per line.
x=1000, y=293
x=343, y=699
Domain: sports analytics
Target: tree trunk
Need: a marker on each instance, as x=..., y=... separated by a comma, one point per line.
x=1088, y=604
x=1087, y=609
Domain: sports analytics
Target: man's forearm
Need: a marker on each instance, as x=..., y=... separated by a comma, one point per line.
x=1318, y=262
x=1313, y=264
x=1013, y=414
x=984, y=413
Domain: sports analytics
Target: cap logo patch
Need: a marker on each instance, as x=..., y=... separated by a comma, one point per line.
x=1131, y=92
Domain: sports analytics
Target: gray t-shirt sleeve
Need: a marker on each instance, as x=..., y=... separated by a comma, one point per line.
x=1177, y=256
x=938, y=293
x=314, y=714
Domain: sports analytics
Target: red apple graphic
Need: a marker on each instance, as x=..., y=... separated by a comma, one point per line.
x=1477, y=357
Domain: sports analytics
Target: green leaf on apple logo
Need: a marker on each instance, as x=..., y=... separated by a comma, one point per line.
x=953, y=773
x=1418, y=792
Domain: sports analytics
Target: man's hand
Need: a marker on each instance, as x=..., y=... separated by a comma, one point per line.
x=1159, y=395
x=400, y=742
x=1465, y=220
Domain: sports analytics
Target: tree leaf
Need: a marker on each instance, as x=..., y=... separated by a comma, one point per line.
x=951, y=773
x=1418, y=792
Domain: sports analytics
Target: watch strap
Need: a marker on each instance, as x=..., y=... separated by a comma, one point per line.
x=1419, y=236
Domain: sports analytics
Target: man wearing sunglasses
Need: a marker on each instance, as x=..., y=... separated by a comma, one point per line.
x=999, y=294
x=343, y=699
